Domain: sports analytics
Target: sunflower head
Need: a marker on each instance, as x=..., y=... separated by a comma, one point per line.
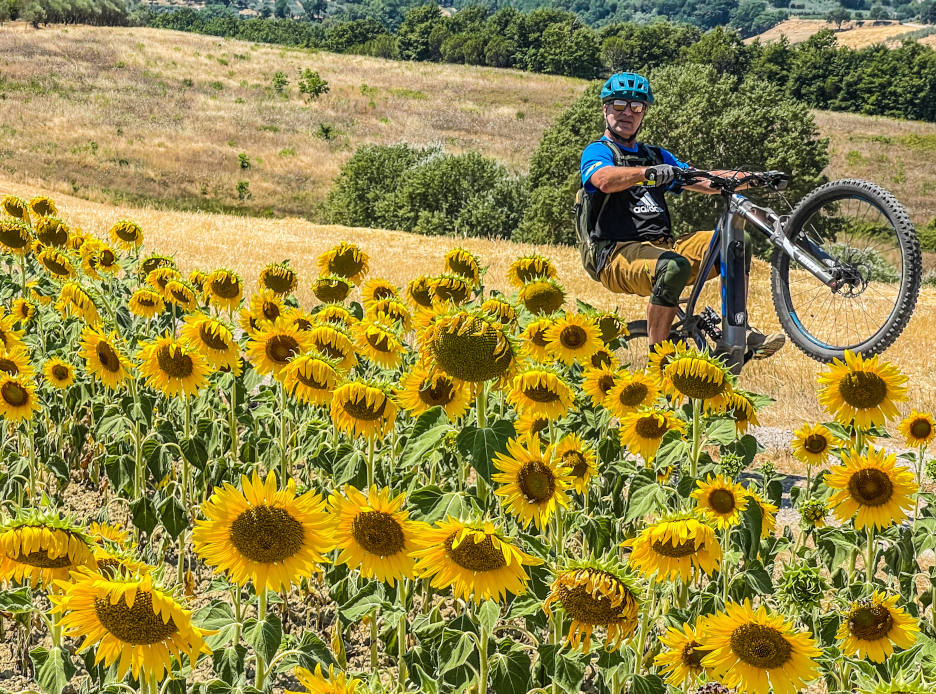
x=15, y=236
x=336, y=314
x=344, y=260
x=126, y=234
x=529, y=267
x=224, y=289
x=390, y=310
x=173, y=366
x=16, y=207
x=43, y=206
x=51, y=231
x=572, y=338
x=23, y=310
x=379, y=342
x=58, y=373
x=311, y=378
x=660, y=357
x=873, y=626
x=918, y=429
x=534, y=339
x=631, y=390
x=812, y=443
x=56, y=263
x=319, y=683
x=541, y=391
x=161, y=276
x=331, y=288
x=469, y=346
x=449, y=288
x=542, y=296
x=197, y=279
x=872, y=488
x=366, y=409
x=39, y=548
x=376, y=289
x=578, y=458
x=813, y=513
x=153, y=261
x=146, y=303
x=419, y=291
x=642, y=430
x=673, y=546
x=697, y=375
x=419, y=390
x=182, y=294
x=334, y=342
x=460, y=261
x=862, y=391
x=273, y=346
x=103, y=356
x=533, y=485
x=721, y=500
x=529, y=424
x=279, y=278
x=500, y=310
x=18, y=398
x=610, y=326
x=681, y=659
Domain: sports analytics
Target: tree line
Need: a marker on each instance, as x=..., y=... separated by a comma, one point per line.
x=36, y=12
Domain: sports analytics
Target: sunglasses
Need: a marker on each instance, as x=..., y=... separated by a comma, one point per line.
x=635, y=106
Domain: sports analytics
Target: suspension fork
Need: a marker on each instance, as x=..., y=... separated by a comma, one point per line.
x=733, y=283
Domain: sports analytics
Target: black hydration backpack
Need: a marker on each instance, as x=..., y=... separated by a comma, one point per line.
x=588, y=208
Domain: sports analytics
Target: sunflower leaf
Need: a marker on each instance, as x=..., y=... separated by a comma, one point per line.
x=173, y=515
x=480, y=445
x=647, y=684
x=459, y=649
x=144, y=515
x=561, y=668
x=265, y=636
x=510, y=671
x=53, y=668
x=229, y=663
x=722, y=430
x=488, y=615
x=217, y=616
x=430, y=428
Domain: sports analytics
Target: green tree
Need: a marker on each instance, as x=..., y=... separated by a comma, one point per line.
x=312, y=84
x=838, y=17
x=420, y=36
x=721, y=48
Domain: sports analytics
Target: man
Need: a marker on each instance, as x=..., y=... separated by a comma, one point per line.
x=644, y=258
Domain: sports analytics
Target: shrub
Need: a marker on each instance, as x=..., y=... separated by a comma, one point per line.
x=243, y=190
x=243, y=160
x=280, y=82
x=312, y=84
x=927, y=236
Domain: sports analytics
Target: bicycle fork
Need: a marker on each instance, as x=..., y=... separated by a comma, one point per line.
x=733, y=288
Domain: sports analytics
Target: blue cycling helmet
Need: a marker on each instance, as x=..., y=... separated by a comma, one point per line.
x=627, y=85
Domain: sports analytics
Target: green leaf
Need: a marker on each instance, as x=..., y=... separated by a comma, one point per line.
x=173, y=516
x=228, y=663
x=459, y=651
x=722, y=430
x=481, y=445
x=58, y=465
x=217, y=616
x=562, y=668
x=53, y=668
x=311, y=651
x=488, y=615
x=144, y=514
x=644, y=496
x=510, y=671
x=265, y=636
x=17, y=601
x=647, y=684
x=431, y=427
x=674, y=450
x=363, y=603
x=194, y=451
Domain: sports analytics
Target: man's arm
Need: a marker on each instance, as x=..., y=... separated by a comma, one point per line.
x=612, y=179
x=706, y=186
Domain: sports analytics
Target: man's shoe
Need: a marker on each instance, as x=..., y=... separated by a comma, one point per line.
x=762, y=346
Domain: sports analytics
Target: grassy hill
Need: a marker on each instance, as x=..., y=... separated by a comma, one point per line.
x=854, y=34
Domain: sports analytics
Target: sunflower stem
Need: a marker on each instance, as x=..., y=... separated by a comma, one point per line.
x=373, y=641
x=284, y=465
x=483, y=656
x=482, y=406
x=32, y=463
x=696, y=438
x=401, y=637
x=642, y=631
x=238, y=616
x=233, y=417
x=870, y=558
x=22, y=264
x=371, y=444
x=261, y=616
x=919, y=477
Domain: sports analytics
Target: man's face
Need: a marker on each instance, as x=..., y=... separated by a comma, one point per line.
x=624, y=123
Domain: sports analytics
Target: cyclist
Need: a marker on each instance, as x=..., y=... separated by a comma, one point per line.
x=641, y=255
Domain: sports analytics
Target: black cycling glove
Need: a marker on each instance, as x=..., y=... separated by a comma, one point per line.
x=661, y=174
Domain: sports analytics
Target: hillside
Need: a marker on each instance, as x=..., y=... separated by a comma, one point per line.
x=854, y=34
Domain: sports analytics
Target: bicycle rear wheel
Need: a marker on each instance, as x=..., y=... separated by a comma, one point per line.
x=864, y=236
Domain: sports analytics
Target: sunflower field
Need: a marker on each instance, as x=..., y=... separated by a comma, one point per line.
x=211, y=488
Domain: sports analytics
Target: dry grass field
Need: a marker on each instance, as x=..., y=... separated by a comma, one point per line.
x=203, y=240
x=851, y=34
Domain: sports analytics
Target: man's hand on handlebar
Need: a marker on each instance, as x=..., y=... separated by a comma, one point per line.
x=661, y=174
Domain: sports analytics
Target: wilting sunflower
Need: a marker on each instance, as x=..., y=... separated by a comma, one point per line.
x=172, y=366
x=212, y=338
x=151, y=262
x=681, y=659
x=331, y=288
x=631, y=391
x=873, y=626
x=51, y=231
x=542, y=296
x=18, y=398
x=918, y=429
x=56, y=263
x=264, y=534
x=58, y=373
x=132, y=623
x=10, y=337
x=276, y=344
x=474, y=558
x=224, y=289
x=721, y=500
x=15, y=237
x=698, y=376
x=344, y=260
x=579, y=458
x=107, y=260
x=16, y=207
x=872, y=486
x=374, y=533
x=390, y=310
x=463, y=262
x=146, y=303
x=161, y=276
x=610, y=326
x=670, y=548
x=812, y=444
x=602, y=359
x=376, y=289
x=595, y=596
x=23, y=310
x=529, y=424
x=311, y=379
x=501, y=310
x=39, y=549
x=468, y=346
x=534, y=339
x=103, y=357
x=318, y=683
x=768, y=512
x=450, y=288
x=541, y=392
x=659, y=359
x=266, y=307
x=862, y=391
x=747, y=648
x=333, y=342
x=197, y=279
x=597, y=383
x=419, y=292
x=379, y=343
x=532, y=485
x=740, y=407
x=420, y=391
x=181, y=294
x=335, y=314
x=126, y=234
x=528, y=268
x=572, y=338
x=279, y=278
x=298, y=318
x=642, y=431
x=43, y=206
x=363, y=409
x=15, y=362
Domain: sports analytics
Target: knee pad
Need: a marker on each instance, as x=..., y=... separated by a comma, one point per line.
x=672, y=275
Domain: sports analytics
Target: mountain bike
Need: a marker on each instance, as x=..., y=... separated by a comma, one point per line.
x=845, y=273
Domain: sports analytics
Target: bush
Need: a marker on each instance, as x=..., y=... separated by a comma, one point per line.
x=312, y=84
x=927, y=236
x=280, y=82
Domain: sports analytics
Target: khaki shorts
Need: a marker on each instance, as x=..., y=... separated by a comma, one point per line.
x=631, y=267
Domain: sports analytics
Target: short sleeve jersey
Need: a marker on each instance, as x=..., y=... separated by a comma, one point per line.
x=597, y=156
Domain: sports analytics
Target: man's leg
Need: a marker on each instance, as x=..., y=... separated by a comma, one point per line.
x=670, y=278
x=659, y=321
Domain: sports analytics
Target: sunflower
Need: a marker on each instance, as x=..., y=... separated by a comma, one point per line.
x=740, y=407
x=114, y=561
x=578, y=458
x=126, y=234
x=331, y=341
x=10, y=337
x=768, y=512
x=873, y=486
x=58, y=373
x=419, y=292
x=224, y=289
x=529, y=267
x=672, y=547
x=43, y=206
x=918, y=429
x=460, y=261
x=812, y=444
x=15, y=362
x=603, y=358
x=77, y=239
x=335, y=314
x=274, y=345
x=278, y=278
x=630, y=392
x=146, y=303
x=468, y=346
x=359, y=408
x=450, y=288
x=51, y=231
x=15, y=236
x=597, y=383
x=390, y=310
x=873, y=626
x=107, y=260
x=162, y=275
x=861, y=391
x=172, y=366
x=17, y=397
x=500, y=310
x=377, y=289
x=659, y=359
x=266, y=307
x=132, y=623
x=541, y=392
x=181, y=294
x=344, y=260
x=529, y=424
x=542, y=296
x=534, y=339
x=374, y=533
x=152, y=262
x=56, y=263
x=420, y=391
x=298, y=318
x=379, y=343
x=698, y=376
x=331, y=288
x=311, y=379
x=610, y=326
x=212, y=338
x=39, y=549
x=533, y=485
x=813, y=513
x=721, y=500
x=746, y=648
x=572, y=338
x=641, y=431
x=318, y=683
x=103, y=358
x=23, y=310
x=474, y=558
x=264, y=534
x=103, y=533
x=681, y=659
x=595, y=597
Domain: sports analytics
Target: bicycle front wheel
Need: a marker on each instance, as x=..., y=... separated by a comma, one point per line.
x=864, y=237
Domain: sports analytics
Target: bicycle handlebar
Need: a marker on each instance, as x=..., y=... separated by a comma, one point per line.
x=776, y=180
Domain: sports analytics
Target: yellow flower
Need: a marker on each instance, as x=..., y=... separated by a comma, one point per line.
x=660, y=357
x=468, y=346
x=361, y=409
x=43, y=206
x=542, y=296
x=862, y=391
x=873, y=626
x=162, y=275
x=59, y=373
x=279, y=278
x=642, y=431
x=344, y=260
x=529, y=424
x=390, y=311
x=146, y=303
x=603, y=359
x=56, y=263
x=213, y=339
x=698, y=376
x=758, y=652
x=51, y=231
x=610, y=326
x=681, y=661
x=310, y=379
x=103, y=357
x=126, y=234
x=528, y=268
x=474, y=559
x=597, y=383
x=450, y=288
x=75, y=301
x=274, y=345
x=672, y=547
x=740, y=407
x=182, y=295
x=872, y=486
x=334, y=343
x=10, y=337
x=500, y=310
x=17, y=398
x=630, y=392
x=579, y=458
x=379, y=343
x=23, y=310
x=532, y=485
x=16, y=207
x=721, y=500
x=463, y=262
x=534, y=339
x=40, y=549
x=266, y=306
x=376, y=289
x=572, y=338
x=918, y=429
x=332, y=288
x=15, y=362
x=420, y=391
x=172, y=366
x=334, y=313
x=264, y=534
x=152, y=262
x=419, y=292
x=541, y=392
x=318, y=683
x=15, y=237
x=812, y=444
x=224, y=289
